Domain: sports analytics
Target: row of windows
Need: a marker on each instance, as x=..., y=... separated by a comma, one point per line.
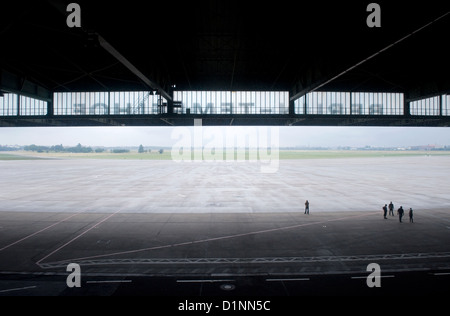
x=346, y=103
x=11, y=104
x=8, y=105
x=445, y=105
x=431, y=106
x=232, y=102
x=223, y=102
x=109, y=103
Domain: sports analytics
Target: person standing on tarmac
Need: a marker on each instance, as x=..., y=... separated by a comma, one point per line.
x=411, y=220
x=385, y=209
x=391, y=209
x=400, y=213
x=307, y=207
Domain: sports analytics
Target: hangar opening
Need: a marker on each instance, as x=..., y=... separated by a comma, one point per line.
x=115, y=134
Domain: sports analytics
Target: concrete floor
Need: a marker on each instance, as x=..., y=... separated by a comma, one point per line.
x=169, y=187
x=159, y=218
x=35, y=241
x=36, y=248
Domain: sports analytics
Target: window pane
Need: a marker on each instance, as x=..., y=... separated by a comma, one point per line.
x=429, y=106
x=32, y=107
x=104, y=103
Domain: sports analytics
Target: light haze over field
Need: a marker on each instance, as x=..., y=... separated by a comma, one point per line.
x=289, y=136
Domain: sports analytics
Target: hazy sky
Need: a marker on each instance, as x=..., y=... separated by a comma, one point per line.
x=288, y=136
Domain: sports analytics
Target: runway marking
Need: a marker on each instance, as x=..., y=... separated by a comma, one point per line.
x=287, y=280
x=40, y=231
x=78, y=236
x=203, y=281
x=19, y=289
x=381, y=276
x=441, y=273
x=113, y=281
x=202, y=240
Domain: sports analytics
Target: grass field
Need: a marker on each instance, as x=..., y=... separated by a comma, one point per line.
x=17, y=157
x=23, y=155
x=283, y=155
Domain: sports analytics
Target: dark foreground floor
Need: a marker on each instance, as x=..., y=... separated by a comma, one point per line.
x=223, y=255
x=430, y=282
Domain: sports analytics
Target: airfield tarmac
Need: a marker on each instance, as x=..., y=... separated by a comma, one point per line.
x=219, y=221
x=146, y=186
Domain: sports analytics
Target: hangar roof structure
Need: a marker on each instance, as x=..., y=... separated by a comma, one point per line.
x=215, y=45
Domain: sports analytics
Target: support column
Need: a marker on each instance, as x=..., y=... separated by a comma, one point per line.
x=406, y=106
x=18, y=105
x=351, y=103
x=50, y=110
x=169, y=107
x=304, y=104
x=291, y=107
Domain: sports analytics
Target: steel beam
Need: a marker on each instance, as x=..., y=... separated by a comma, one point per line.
x=323, y=82
x=60, y=6
x=154, y=86
x=12, y=83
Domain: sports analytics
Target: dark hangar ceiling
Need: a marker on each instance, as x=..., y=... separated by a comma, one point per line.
x=228, y=45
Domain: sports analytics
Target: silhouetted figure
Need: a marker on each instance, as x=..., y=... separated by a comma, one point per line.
x=391, y=209
x=400, y=213
x=385, y=209
x=411, y=219
x=307, y=207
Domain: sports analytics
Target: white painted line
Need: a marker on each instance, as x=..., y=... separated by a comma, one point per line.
x=203, y=281
x=113, y=281
x=283, y=280
x=78, y=236
x=40, y=231
x=194, y=242
x=441, y=273
x=381, y=276
x=19, y=289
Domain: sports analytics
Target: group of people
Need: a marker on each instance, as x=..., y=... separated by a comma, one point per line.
x=390, y=207
x=400, y=212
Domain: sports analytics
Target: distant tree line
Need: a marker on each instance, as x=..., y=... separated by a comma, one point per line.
x=8, y=148
x=141, y=150
x=120, y=151
x=77, y=149
x=59, y=149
